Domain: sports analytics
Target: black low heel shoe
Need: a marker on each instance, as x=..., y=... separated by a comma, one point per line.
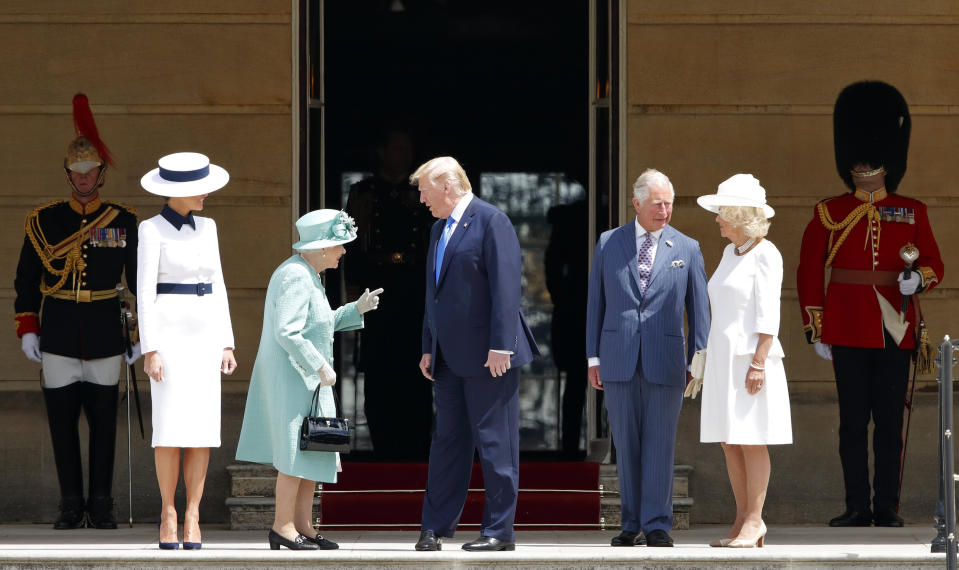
x=299, y=543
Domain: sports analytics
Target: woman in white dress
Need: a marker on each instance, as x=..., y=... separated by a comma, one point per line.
x=185, y=332
x=745, y=404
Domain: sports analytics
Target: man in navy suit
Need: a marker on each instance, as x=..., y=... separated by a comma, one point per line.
x=644, y=275
x=474, y=341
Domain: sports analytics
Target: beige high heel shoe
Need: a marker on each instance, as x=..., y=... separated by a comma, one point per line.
x=758, y=541
x=720, y=542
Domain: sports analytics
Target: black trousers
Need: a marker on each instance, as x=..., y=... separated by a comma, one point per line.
x=871, y=383
x=99, y=404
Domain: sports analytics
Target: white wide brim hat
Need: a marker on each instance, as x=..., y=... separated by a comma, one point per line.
x=324, y=228
x=738, y=190
x=184, y=174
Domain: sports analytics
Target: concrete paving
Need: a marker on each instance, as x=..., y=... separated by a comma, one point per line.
x=34, y=546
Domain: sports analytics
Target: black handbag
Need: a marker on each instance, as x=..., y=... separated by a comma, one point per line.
x=325, y=434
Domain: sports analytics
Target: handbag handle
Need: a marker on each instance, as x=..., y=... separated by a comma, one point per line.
x=315, y=406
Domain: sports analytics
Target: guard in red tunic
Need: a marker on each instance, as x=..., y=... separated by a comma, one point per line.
x=68, y=319
x=854, y=240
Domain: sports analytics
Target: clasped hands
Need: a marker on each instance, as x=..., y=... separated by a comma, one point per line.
x=497, y=362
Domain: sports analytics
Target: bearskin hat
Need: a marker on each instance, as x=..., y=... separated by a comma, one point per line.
x=871, y=126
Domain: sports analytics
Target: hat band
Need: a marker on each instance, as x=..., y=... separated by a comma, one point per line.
x=184, y=175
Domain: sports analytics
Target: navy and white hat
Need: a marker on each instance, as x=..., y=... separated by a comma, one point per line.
x=184, y=174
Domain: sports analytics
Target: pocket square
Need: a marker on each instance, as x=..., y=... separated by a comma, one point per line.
x=678, y=263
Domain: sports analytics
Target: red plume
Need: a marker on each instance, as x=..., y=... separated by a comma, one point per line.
x=85, y=126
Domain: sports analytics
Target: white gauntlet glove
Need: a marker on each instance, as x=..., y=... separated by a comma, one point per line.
x=327, y=375
x=909, y=286
x=135, y=354
x=368, y=301
x=30, y=344
x=823, y=350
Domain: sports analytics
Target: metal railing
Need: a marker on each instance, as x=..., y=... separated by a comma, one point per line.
x=945, y=540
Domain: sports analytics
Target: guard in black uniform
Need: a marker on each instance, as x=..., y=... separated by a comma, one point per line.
x=392, y=242
x=68, y=319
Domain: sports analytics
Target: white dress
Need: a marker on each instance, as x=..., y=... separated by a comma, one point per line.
x=188, y=331
x=744, y=298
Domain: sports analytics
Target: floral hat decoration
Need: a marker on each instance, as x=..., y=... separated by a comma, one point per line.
x=325, y=228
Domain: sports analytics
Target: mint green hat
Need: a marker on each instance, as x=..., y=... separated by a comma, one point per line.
x=324, y=228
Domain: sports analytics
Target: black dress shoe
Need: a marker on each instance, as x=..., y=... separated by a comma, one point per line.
x=852, y=518
x=323, y=543
x=429, y=541
x=488, y=544
x=628, y=538
x=888, y=517
x=658, y=538
x=72, y=514
x=299, y=543
x=100, y=511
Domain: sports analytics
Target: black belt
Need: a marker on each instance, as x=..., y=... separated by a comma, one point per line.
x=199, y=289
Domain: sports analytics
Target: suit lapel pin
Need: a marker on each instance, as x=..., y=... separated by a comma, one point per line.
x=669, y=242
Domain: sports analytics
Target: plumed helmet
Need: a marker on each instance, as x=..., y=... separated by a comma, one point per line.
x=86, y=151
x=871, y=126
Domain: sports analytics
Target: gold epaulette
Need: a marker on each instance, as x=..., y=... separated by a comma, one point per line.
x=130, y=209
x=36, y=211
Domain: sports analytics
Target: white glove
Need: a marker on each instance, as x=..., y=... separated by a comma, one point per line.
x=368, y=301
x=909, y=286
x=135, y=354
x=30, y=344
x=823, y=350
x=327, y=375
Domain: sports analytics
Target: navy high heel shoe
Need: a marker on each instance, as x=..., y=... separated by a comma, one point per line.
x=192, y=545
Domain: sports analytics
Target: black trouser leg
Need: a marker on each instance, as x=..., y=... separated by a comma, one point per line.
x=100, y=407
x=853, y=368
x=574, y=400
x=63, y=416
x=888, y=397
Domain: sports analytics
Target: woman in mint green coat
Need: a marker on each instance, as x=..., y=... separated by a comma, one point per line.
x=295, y=356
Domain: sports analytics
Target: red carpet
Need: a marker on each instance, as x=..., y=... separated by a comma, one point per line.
x=552, y=496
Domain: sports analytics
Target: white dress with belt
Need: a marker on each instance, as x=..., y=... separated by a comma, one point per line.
x=189, y=331
x=744, y=299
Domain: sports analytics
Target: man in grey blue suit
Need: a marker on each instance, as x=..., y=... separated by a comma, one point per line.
x=644, y=275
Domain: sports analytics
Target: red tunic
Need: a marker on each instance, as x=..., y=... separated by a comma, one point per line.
x=850, y=313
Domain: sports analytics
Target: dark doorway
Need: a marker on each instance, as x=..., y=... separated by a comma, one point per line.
x=504, y=88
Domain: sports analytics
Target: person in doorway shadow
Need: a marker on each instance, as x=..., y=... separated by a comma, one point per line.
x=566, y=279
x=393, y=229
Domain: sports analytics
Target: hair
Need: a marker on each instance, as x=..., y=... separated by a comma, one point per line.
x=440, y=169
x=751, y=219
x=649, y=178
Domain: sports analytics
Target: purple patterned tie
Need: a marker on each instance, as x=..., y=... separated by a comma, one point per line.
x=645, y=262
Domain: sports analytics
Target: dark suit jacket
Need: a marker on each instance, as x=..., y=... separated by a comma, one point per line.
x=475, y=306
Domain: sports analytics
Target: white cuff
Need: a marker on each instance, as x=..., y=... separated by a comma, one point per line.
x=592, y=361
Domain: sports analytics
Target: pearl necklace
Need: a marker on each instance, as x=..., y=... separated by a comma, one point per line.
x=742, y=249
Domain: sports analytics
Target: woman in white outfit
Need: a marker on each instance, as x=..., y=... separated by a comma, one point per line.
x=745, y=402
x=185, y=332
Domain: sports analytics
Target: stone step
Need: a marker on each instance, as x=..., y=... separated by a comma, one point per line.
x=610, y=503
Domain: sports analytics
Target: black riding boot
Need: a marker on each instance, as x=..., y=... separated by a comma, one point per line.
x=63, y=416
x=100, y=406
